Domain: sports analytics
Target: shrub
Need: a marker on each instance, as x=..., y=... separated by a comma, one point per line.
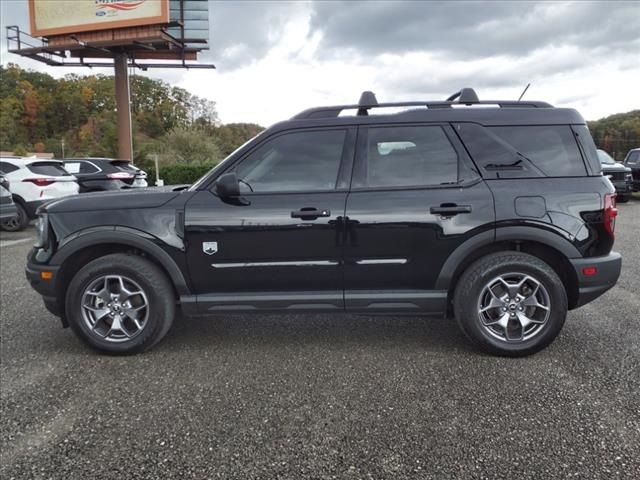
x=179, y=173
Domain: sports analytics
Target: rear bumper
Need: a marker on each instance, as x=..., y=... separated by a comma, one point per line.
x=607, y=273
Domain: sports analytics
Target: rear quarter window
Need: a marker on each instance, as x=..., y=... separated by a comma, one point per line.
x=6, y=167
x=523, y=151
x=50, y=169
x=552, y=149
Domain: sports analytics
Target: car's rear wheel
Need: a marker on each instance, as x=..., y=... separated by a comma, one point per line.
x=17, y=223
x=120, y=304
x=510, y=303
x=623, y=198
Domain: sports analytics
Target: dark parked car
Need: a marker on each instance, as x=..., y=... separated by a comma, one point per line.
x=495, y=213
x=8, y=210
x=619, y=175
x=100, y=174
x=632, y=161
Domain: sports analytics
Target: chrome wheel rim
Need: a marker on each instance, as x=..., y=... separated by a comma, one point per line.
x=115, y=308
x=514, y=307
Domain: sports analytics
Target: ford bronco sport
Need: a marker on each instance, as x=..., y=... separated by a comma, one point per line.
x=492, y=212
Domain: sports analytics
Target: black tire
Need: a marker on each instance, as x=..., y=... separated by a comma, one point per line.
x=623, y=198
x=19, y=222
x=472, y=292
x=150, y=279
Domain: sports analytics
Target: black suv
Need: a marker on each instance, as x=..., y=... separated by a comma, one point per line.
x=632, y=161
x=96, y=174
x=619, y=175
x=495, y=213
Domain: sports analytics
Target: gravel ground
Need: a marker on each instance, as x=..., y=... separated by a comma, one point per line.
x=314, y=396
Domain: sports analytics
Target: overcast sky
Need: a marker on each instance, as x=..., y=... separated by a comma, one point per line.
x=275, y=58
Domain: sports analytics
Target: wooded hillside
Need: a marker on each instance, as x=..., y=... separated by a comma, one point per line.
x=617, y=134
x=38, y=112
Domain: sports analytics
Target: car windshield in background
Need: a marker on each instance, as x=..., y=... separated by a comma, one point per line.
x=51, y=169
x=634, y=158
x=604, y=157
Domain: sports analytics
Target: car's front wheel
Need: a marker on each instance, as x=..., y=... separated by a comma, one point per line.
x=510, y=303
x=120, y=304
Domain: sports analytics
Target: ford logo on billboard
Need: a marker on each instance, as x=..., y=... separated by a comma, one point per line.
x=101, y=13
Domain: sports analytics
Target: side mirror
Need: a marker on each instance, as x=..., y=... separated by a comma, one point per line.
x=227, y=186
x=228, y=189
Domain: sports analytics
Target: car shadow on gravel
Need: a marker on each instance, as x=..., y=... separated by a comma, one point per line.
x=326, y=331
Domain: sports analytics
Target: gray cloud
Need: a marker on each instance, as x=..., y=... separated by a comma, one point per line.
x=245, y=31
x=468, y=29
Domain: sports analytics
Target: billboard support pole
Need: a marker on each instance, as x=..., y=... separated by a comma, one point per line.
x=123, y=106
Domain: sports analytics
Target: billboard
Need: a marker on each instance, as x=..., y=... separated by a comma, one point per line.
x=58, y=17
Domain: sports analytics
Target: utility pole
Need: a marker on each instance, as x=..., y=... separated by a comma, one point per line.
x=125, y=140
x=62, y=143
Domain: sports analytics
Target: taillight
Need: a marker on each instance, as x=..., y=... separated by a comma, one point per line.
x=610, y=213
x=120, y=176
x=41, y=182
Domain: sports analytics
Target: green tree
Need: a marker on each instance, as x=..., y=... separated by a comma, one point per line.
x=183, y=145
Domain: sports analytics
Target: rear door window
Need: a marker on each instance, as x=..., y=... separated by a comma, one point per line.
x=405, y=156
x=50, y=169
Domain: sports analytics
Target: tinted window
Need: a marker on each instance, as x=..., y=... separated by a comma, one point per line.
x=87, y=168
x=124, y=166
x=50, y=169
x=302, y=161
x=634, y=158
x=588, y=147
x=6, y=167
x=551, y=149
x=410, y=156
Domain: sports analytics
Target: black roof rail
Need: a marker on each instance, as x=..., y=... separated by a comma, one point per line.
x=466, y=96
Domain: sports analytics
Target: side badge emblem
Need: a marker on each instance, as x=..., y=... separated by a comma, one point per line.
x=210, y=247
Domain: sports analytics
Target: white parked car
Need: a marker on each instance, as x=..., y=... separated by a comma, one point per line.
x=34, y=181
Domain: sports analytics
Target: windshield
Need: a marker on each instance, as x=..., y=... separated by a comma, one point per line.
x=634, y=158
x=604, y=157
x=202, y=179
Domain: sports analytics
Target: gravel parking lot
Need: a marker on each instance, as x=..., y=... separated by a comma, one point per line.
x=321, y=396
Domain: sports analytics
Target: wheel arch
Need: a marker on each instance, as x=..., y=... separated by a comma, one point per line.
x=549, y=247
x=85, y=247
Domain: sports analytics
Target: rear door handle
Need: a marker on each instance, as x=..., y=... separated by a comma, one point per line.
x=310, y=213
x=449, y=210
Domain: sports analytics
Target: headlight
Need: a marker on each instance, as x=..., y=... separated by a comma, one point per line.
x=42, y=231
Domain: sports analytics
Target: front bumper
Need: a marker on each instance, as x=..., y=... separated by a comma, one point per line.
x=46, y=288
x=622, y=187
x=607, y=273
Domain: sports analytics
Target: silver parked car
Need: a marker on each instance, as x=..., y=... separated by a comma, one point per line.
x=8, y=210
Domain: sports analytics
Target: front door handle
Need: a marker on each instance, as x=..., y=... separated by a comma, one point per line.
x=310, y=213
x=450, y=209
